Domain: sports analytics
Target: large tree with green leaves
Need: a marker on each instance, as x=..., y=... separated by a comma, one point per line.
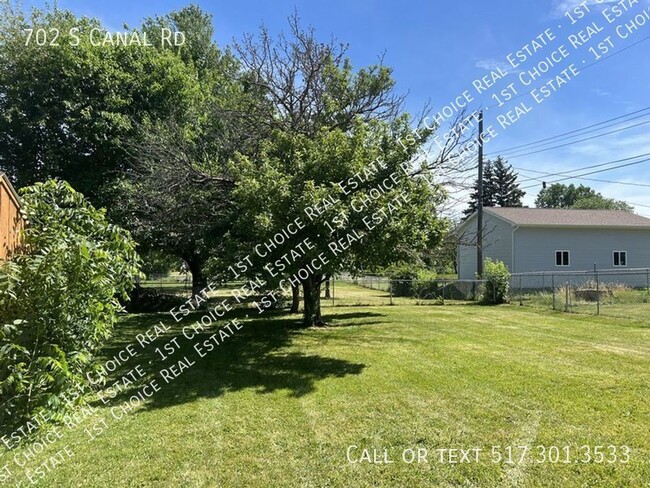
x=600, y=202
x=559, y=195
x=176, y=195
x=170, y=205
x=66, y=110
x=329, y=122
x=383, y=218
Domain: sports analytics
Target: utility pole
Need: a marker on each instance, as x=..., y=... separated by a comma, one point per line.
x=479, y=204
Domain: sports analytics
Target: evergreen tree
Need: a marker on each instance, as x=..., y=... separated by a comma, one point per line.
x=506, y=190
x=488, y=190
x=500, y=187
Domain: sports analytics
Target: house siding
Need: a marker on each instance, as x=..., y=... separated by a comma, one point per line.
x=535, y=248
x=497, y=244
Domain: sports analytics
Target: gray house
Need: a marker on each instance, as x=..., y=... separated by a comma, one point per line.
x=534, y=239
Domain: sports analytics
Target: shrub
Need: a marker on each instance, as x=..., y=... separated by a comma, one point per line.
x=411, y=281
x=497, y=282
x=150, y=300
x=425, y=286
x=59, y=299
x=401, y=279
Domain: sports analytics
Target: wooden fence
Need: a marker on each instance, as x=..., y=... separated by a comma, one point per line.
x=11, y=221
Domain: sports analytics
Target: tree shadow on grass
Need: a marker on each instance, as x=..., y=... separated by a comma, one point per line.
x=257, y=357
x=343, y=319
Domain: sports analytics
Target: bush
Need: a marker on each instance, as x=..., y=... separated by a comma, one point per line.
x=425, y=286
x=497, y=282
x=410, y=281
x=59, y=300
x=150, y=300
x=401, y=279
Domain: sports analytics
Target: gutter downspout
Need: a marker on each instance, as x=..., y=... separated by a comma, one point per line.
x=513, y=249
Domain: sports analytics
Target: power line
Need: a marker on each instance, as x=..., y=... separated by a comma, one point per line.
x=625, y=183
x=592, y=172
x=579, y=140
x=541, y=180
x=582, y=168
x=506, y=150
x=637, y=204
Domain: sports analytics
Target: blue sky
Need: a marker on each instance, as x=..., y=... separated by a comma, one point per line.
x=437, y=48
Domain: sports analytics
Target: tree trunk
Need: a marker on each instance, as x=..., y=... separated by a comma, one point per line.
x=199, y=280
x=295, y=299
x=311, y=289
x=327, y=287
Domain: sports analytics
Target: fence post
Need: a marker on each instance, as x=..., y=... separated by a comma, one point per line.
x=647, y=280
x=553, y=285
x=390, y=290
x=521, y=296
x=333, y=281
x=566, y=297
x=597, y=291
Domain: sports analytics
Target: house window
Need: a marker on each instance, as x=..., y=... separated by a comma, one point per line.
x=561, y=258
x=620, y=258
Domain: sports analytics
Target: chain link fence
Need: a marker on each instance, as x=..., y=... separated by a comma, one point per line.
x=407, y=292
x=170, y=283
x=344, y=290
x=610, y=292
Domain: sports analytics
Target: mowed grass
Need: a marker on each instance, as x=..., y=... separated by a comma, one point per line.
x=276, y=406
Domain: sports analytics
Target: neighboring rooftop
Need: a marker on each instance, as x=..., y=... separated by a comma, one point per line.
x=569, y=217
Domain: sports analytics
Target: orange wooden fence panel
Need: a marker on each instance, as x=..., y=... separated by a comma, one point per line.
x=10, y=219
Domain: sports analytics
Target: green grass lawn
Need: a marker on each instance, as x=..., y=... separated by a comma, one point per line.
x=278, y=406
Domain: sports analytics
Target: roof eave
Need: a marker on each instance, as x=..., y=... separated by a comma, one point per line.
x=586, y=226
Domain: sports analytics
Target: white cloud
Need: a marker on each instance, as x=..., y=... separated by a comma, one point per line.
x=600, y=93
x=491, y=64
x=562, y=6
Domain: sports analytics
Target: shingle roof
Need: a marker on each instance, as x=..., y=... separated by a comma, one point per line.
x=569, y=217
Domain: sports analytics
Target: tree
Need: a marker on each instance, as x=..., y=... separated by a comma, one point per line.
x=59, y=299
x=66, y=111
x=444, y=258
x=357, y=228
x=325, y=122
x=175, y=194
x=500, y=187
x=488, y=191
x=559, y=195
x=601, y=203
x=169, y=206
x=504, y=182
